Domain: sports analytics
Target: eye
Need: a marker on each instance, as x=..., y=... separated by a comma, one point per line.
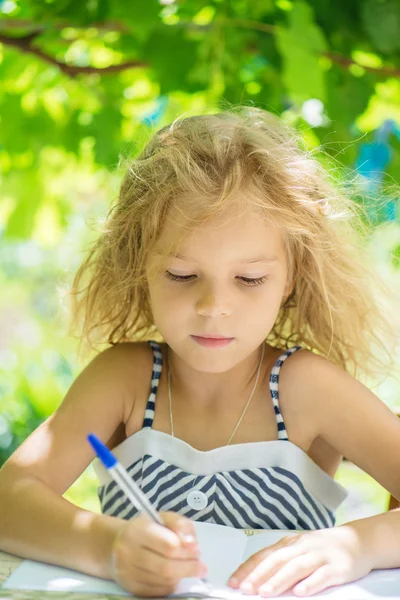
x=256, y=281
x=247, y=280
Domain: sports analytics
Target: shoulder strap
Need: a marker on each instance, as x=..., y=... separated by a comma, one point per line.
x=274, y=389
x=155, y=378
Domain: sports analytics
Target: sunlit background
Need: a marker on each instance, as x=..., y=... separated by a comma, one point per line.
x=84, y=83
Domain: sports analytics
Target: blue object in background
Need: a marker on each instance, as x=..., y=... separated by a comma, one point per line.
x=152, y=117
x=371, y=163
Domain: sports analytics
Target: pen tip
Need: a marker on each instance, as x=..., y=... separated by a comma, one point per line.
x=104, y=454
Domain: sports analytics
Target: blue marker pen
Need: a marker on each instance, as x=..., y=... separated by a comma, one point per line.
x=122, y=479
x=128, y=485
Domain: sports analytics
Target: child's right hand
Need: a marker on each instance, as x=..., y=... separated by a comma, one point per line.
x=150, y=560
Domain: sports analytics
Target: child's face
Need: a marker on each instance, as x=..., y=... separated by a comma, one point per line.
x=215, y=299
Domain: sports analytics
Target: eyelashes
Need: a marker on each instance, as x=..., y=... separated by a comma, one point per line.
x=247, y=280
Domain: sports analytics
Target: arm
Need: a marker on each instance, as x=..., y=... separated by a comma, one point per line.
x=36, y=521
x=380, y=536
x=354, y=422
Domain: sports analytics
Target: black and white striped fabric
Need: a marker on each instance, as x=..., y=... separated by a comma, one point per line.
x=258, y=485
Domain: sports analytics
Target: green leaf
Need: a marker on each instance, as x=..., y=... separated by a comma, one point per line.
x=381, y=20
x=29, y=194
x=255, y=9
x=396, y=257
x=347, y=96
x=300, y=45
x=77, y=12
x=172, y=57
x=106, y=128
x=142, y=17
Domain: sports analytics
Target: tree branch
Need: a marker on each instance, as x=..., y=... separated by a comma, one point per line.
x=15, y=24
x=343, y=61
x=339, y=59
x=24, y=44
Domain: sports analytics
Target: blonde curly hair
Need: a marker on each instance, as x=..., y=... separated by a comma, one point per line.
x=197, y=168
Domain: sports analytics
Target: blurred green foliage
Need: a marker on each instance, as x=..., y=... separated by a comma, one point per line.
x=83, y=83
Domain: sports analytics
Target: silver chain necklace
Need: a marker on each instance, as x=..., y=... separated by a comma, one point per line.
x=244, y=410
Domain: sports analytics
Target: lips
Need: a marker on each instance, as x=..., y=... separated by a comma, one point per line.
x=212, y=342
x=214, y=337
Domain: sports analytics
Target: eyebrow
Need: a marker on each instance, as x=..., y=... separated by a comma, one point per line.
x=264, y=259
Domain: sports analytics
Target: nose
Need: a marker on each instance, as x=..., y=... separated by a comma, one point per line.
x=213, y=301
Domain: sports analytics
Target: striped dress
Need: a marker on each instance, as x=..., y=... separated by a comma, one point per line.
x=257, y=485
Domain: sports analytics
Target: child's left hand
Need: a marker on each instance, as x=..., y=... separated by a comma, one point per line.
x=314, y=560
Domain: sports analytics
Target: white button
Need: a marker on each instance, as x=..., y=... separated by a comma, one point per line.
x=197, y=500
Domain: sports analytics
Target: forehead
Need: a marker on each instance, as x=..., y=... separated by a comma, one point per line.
x=231, y=238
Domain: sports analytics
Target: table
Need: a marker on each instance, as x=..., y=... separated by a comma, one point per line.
x=7, y=565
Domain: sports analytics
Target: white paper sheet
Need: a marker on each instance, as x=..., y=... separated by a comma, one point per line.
x=30, y=575
x=222, y=549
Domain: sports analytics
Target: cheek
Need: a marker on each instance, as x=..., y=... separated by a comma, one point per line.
x=167, y=301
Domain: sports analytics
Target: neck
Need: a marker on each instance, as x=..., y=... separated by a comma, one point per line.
x=202, y=390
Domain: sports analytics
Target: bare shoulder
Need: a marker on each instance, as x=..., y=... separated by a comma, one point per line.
x=118, y=370
x=345, y=414
x=296, y=402
x=128, y=368
x=99, y=401
x=304, y=374
x=124, y=363
x=319, y=388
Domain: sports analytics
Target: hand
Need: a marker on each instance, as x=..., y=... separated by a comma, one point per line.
x=149, y=560
x=310, y=561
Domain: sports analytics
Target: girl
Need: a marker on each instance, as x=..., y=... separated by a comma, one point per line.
x=239, y=312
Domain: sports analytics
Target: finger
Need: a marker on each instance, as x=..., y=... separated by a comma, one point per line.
x=144, y=576
x=140, y=576
x=141, y=582
x=321, y=579
x=169, y=569
x=166, y=542
x=290, y=574
x=260, y=567
x=182, y=526
x=250, y=566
